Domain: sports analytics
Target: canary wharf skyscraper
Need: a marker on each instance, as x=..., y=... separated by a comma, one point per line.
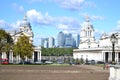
x=51, y=42
x=61, y=39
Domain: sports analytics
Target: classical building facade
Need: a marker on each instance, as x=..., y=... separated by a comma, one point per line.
x=92, y=49
x=23, y=29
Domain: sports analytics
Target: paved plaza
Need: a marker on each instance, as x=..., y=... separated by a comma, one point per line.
x=39, y=72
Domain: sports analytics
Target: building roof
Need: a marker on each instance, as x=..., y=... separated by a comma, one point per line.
x=25, y=22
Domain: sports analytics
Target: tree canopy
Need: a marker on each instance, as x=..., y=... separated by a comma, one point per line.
x=23, y=47
x=57, y=51
x=6, y=41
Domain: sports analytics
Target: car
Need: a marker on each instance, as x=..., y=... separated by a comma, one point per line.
x=48, y=62
x=118, y=63
x=92, y=62
x=100, y=62
x=24, y=62
x=38, y=62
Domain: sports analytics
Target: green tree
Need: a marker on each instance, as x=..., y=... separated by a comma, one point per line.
x=6, y=42
x=23, y=47
x=57, y=51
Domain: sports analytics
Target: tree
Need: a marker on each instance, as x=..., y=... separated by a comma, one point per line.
x=6, y=42
x=57, y=51
x=23, y=47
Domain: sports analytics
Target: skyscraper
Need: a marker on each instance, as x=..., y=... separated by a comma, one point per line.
x=76, y=40
x=68, y=40
x=44, y=42
x=61, y=39
x=51, y=42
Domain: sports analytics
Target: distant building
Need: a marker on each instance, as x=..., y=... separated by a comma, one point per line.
x=44, y=42
x=76, y=40
x=48, y=42
x=68, y=40
x=51, y=42
x=61, y=39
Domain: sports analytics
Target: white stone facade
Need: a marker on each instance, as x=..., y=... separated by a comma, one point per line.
x=92, y=49
x=23, y=29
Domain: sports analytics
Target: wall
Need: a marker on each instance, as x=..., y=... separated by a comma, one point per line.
x=114, y=72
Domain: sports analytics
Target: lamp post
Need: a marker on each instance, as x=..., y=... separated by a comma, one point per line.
x=113, y=39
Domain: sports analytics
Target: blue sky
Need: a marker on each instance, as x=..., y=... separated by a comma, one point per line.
x=48, y=17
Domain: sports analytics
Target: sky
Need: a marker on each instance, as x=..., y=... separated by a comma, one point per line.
x=49, y=17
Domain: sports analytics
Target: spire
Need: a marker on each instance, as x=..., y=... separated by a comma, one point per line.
x=25, y=18
x=87, y=18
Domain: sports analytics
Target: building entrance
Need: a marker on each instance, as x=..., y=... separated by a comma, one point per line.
x=35, y=56
x=119, y=57
x=106, y=57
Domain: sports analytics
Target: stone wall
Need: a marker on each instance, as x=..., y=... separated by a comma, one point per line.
x=114, y=72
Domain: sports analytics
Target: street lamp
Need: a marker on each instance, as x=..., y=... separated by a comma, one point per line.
x=113, y=39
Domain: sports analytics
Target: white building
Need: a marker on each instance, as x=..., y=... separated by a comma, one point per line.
x=91, y=49
x=23, y=29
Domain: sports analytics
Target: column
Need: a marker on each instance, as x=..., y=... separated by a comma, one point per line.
x=38, y=56
x=116, y=57
x=11, y=57
x=110, y=57
x=33, y=56
x=103, y=54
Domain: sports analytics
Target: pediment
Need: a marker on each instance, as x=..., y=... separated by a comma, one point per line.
x=21, y=33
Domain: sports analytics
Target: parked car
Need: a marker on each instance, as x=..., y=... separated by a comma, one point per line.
x=100, y=62
x=48, y=62
x=92, y=62
x=118, y=63
x=25, y=62
x=38, y=62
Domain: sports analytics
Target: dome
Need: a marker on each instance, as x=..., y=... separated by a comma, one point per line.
x=25, y=22
x=86, y=25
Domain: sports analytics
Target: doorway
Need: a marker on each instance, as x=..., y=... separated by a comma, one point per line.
x=119, y=57
x=106, y=57
x=35, y=56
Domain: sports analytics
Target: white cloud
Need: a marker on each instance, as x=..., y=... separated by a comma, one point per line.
x=8, y=26
x=37, y=17
x=16, y=24
x=61, y=22
x=93, y=17
x=97, y=17
x=74, y=4
x=45, y=19
x=18, y=8
x=62, y=26
x=69, y=21
x=117, y=27
x=118, y=22
x=4, y=24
